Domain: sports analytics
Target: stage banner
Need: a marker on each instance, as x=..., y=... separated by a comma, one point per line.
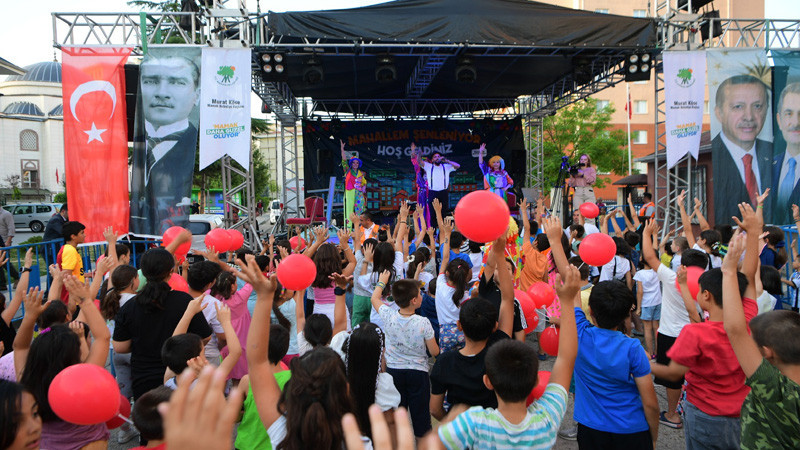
x=95, y=138
x=384, y=147
x=165, y=139
x=739, y=84
x=684, y=83
x=225, y=106
x=786, y=92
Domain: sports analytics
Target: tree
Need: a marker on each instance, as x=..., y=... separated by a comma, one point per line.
x=583, y=128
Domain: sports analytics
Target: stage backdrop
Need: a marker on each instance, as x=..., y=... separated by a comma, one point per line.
x=786, y=92
x=165, y=139
x=740, y=91
x=95, y=138
x=385, y=149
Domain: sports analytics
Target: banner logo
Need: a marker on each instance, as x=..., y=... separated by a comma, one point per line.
x=685, y=78
x=226, y=75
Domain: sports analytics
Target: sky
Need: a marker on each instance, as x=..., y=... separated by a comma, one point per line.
x=33, y=24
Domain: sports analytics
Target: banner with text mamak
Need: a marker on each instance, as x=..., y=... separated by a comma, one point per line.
x=95, y=138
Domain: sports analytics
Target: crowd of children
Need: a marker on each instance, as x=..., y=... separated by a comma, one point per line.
x=411, y=336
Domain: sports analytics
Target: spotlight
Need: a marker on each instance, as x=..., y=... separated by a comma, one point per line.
x=465, y=70
x=272, y=66
x=638, y=67
x=386, y=71
x=313, y=74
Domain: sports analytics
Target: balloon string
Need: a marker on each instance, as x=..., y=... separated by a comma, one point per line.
x=127, y=420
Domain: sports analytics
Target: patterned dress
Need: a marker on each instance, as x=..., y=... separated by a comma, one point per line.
x=422, y=186
x=355, y=184
x=496, y=181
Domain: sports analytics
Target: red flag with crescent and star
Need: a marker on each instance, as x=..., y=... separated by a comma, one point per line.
x=96, y=138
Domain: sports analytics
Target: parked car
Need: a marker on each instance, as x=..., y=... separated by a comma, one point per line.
x=275, y=208
x=200, y=225
x=32, y=215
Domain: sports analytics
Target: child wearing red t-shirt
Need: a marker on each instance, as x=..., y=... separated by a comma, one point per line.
x=715, y=382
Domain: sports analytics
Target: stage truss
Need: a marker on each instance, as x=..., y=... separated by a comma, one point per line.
x=223, y=25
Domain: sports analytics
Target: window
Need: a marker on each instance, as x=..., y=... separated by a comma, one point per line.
x=601, y=10
x=639, y=137
x=602, y=104
x=29, y=140
x=640, y=106
x=25, y=209
x=30, y=173
x=639, y=13
x=42, y=209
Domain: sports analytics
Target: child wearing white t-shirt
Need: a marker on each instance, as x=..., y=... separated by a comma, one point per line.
x=648, y=304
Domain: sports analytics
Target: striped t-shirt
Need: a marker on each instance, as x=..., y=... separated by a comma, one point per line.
x=486, y=428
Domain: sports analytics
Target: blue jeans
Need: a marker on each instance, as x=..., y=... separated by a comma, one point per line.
x=703, y=431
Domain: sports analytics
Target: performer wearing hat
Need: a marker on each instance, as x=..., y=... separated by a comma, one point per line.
x=355, y=185
x=495, y=177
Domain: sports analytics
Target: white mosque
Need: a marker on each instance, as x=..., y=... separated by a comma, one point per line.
x=32, y=131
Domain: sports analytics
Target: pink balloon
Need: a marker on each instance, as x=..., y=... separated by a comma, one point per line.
x=84, y=394
x=597, y=249
x=237, y=239
x=692, y=279
x=219, y=239
x=296, y=272
x=542, y=294
x=482, y=216
x=589, y=210
x=528, y=309
x=177, y=283
x=170, y=235
x=541, y=384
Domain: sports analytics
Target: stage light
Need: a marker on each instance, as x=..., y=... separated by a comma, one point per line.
x=272, y=66
x=708, y=22
x=313, y=74
x=465, y=70
x=386, y=72
x=638, y=67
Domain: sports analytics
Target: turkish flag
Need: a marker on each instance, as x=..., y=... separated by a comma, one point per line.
x=95, y=138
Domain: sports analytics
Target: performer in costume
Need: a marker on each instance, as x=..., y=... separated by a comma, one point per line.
x=421, y=181
x=437, y=180
x=495, y=177
x=355, y=185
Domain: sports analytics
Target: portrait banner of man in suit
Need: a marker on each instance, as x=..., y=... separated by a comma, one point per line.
x=742, y=152
x=165, y=139
x=786, y=175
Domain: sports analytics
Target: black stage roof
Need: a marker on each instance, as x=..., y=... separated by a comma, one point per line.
x=519, y=47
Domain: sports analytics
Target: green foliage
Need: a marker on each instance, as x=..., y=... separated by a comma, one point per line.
x=166, y=6
x=61, y=197
x=32, y=240
x=582, y=128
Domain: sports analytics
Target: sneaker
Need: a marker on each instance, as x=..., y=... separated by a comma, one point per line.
x=570, y=434
x=125, y=434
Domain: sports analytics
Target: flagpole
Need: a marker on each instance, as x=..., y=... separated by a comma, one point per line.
x=628, y=91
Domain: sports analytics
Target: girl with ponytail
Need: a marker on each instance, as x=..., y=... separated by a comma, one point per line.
x=451, y=287
x=145, y=323
x=224, y=290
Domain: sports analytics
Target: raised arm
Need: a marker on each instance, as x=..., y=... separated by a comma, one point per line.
x=344, y=238
x=194, y=307
x=753, y=223
x=648, y=253
x=445, y=228
x=98, y=351
x=686, y=221
x=604, y=222
x=634, y=214
x=526, y=223
x=568, y=332
x=506, y=285
x=617, y=229
x=402, y=227
x=183, y=236
x=452, y=163
x=688, y=302
x=231, y=339
x=19, y=293
x=340, y=307
x=437, y=207
x=22, y=343
x=266, y=392
x=733, y=318
x=701, y=219
x=377, y=294
x=552, y=226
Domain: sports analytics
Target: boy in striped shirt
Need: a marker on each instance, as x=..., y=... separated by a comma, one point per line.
x=511, y=371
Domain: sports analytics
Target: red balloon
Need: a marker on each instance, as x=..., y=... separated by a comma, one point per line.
x=541, y=384
x=528, y=310
x=589, y=210
x=237, y=240
x=482, y=216
x=176, y=282
x=597, y=249
x=692, y=276
x=548, y=341
x=297, y=243
x=124, y=411
x=542, y=294
x=296, y=272
x=219, y=239
x=84, y=394
x=171, y=234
